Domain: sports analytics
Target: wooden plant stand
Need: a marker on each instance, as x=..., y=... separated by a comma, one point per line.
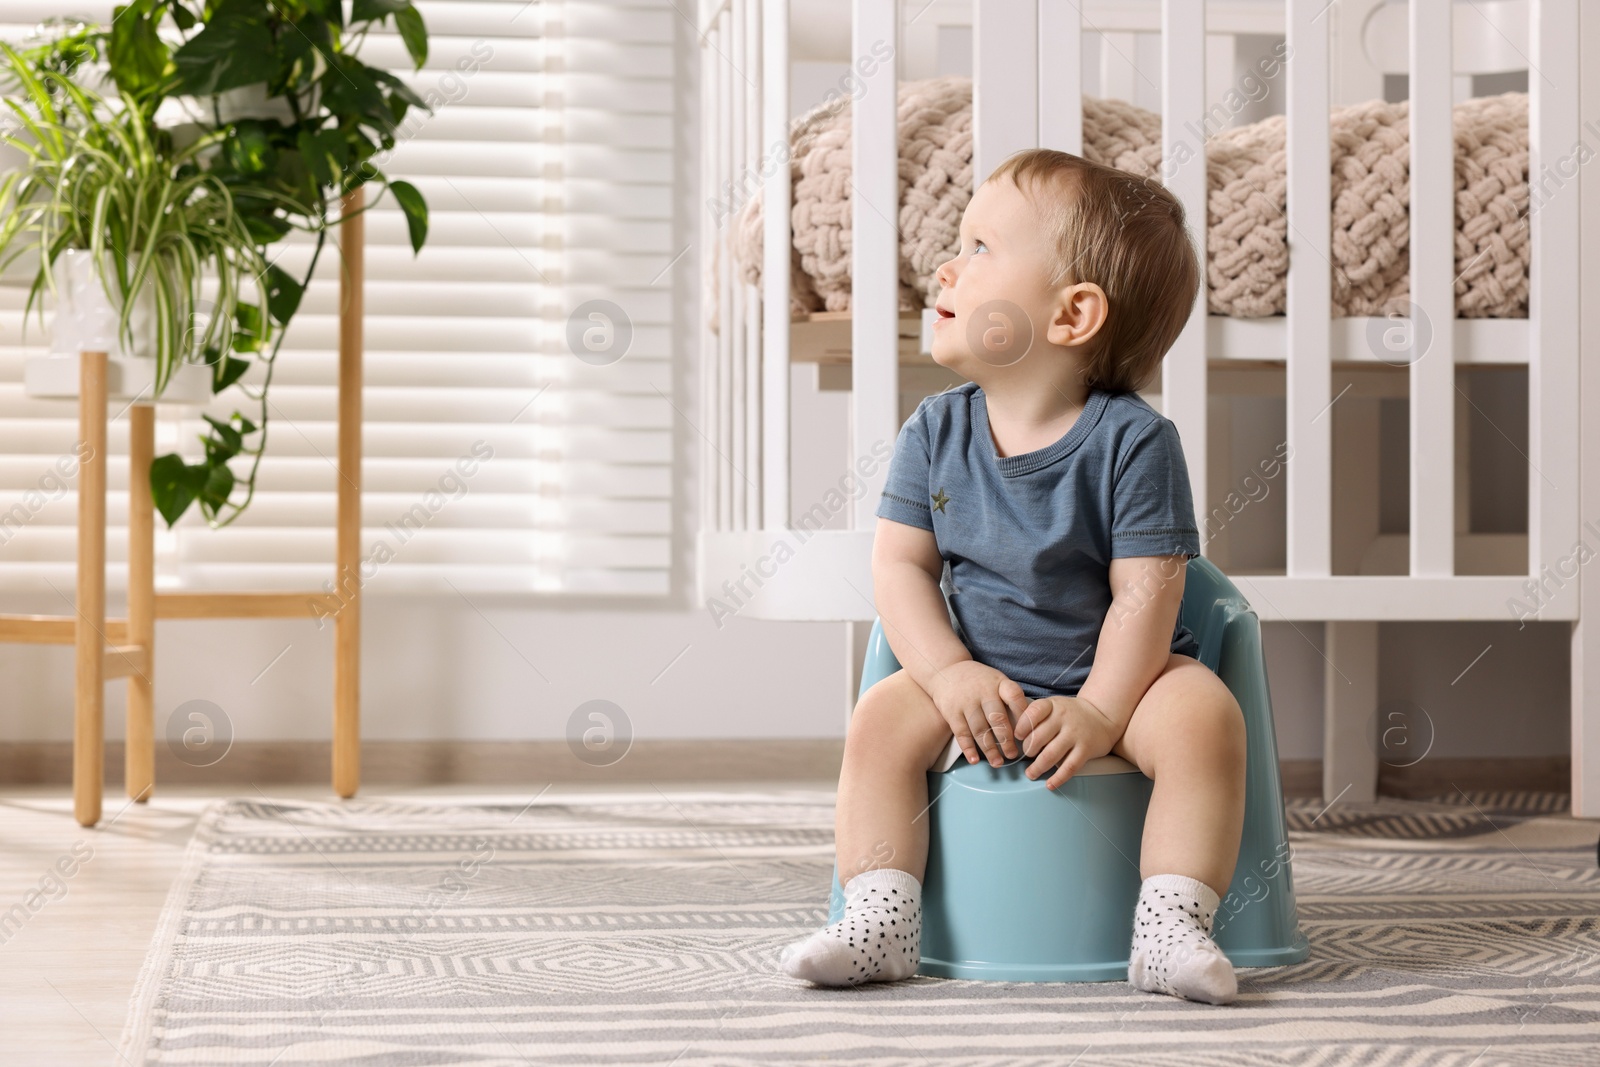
x=108, y=649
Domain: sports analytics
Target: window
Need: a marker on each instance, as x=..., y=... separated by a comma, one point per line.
x=518, y=412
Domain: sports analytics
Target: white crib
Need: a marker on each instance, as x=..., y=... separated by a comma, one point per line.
x=757, y=559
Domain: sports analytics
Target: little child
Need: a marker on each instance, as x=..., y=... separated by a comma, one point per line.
x=1061, y=503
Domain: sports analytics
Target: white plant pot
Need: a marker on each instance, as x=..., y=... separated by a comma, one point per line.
x=86, y=317
x=86, y=320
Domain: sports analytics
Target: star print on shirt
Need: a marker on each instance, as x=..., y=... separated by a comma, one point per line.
x=940, y=500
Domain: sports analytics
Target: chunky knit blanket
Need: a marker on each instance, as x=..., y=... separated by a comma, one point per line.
x=1247, y=260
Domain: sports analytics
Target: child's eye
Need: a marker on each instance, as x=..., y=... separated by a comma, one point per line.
x=978, y=246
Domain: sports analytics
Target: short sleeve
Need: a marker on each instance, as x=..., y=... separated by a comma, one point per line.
x=905, y=494
x=1152, y=504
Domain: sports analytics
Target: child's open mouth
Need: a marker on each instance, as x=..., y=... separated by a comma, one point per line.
x=944, y=314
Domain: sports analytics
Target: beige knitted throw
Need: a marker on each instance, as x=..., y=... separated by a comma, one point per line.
x=1245, y=233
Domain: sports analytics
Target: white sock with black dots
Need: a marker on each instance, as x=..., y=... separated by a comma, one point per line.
x=878, y=940
x=1172, y=947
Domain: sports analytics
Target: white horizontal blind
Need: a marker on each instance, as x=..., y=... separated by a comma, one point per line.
x=496, y=459
x=38, y=507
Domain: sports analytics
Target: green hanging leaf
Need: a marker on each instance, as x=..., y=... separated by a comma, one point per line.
x=400, y=89
x=228, y=370
x=416, y=212
x=408, y=20
x=214, y=492
x=350, y=89
x=252, y=332
x=230, y=438
x=174, y=485
x=324, y=152
x=182, y=16
x=139, y=57
x=292, y=178
x=248, y=149
x=283, y=294
x=233, y=49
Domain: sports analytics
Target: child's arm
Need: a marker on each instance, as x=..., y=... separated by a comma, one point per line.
x=971, y=696
x=1135, y=643
x=1136, y=638
x=906, y=566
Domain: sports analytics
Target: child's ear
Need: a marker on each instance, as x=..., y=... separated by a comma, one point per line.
x=1077, y=314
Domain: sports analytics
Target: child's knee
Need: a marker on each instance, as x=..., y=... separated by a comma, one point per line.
x=895, y=712
x=1221, y=728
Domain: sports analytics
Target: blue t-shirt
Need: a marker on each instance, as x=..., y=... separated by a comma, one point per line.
x=1029, y=539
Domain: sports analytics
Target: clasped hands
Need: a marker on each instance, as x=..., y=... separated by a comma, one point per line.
x=974, y=699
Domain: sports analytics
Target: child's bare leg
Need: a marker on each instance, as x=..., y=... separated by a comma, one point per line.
x=881, y=817
x=881, y=835
x=1187, y=734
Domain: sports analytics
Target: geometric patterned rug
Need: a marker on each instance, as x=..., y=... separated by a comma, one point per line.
x=645, y=929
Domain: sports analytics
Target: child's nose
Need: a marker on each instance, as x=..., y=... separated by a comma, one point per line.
x=946, y=275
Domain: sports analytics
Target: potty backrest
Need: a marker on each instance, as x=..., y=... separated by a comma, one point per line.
x=1210, y=603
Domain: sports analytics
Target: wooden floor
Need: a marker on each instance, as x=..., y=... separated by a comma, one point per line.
x=68, y=968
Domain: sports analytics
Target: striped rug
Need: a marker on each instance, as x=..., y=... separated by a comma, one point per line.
x=645, y=929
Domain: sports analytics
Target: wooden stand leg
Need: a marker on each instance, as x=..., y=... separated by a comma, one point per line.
x=347, y=623
x=88, y=728
x=140, y=752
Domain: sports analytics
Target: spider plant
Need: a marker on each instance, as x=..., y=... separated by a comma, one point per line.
x=94, y=179
x=102, y=174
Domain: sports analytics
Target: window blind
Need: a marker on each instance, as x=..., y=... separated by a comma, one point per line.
x=518, y=411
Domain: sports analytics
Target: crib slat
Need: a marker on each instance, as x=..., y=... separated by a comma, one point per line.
x=708, y=235
x=1061, y=77
x=733, y=56
x=1183, y=165
x=1307, y=297
x=1553, y=294
x=721, y=413
x=1428, y=341
x=1554, y=427
x=1586, y=636
x=1005, y=82
x=775, y=245
x=752, y=295
x=875, y=247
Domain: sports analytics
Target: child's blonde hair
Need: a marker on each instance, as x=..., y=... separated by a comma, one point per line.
x=1128, y=236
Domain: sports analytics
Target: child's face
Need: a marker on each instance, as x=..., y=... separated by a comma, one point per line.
x=995, y=302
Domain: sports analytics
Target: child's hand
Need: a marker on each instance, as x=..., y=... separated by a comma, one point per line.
x=973, y=698
x=1064, y=730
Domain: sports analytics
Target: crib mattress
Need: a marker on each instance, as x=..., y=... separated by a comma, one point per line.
x=1247, y=252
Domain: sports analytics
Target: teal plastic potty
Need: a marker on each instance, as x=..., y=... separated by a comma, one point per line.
x=1026, y=884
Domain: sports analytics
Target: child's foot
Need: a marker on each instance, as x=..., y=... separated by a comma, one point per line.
x=878, y=940
x=1172, y=947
